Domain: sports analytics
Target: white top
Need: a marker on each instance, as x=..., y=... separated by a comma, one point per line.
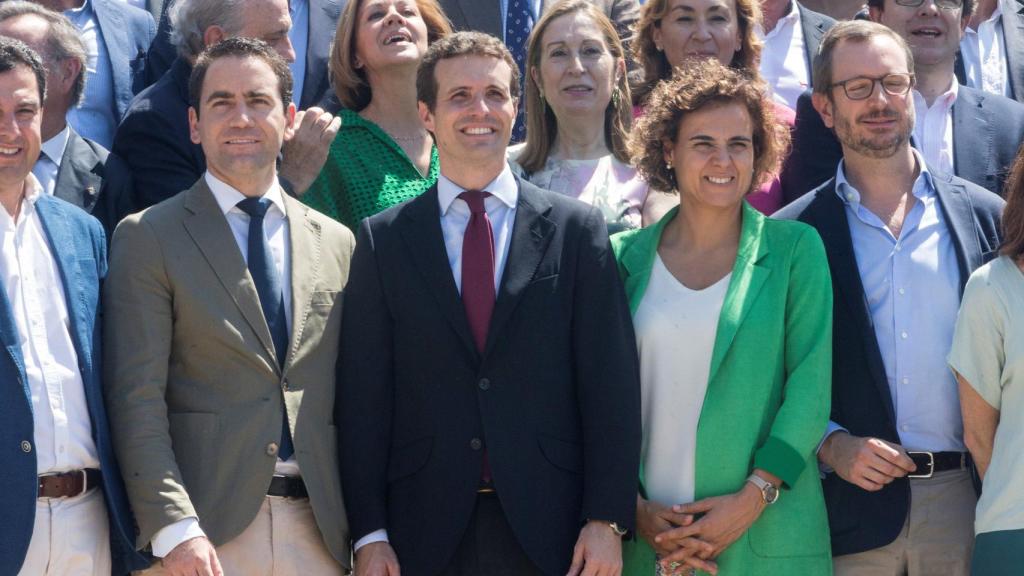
x=988, y=351
x=933, y=130
x=675, y=337
x=984, y=55
x=47, y=166
x=275, y=226
x=61, y=425
x=784, y=58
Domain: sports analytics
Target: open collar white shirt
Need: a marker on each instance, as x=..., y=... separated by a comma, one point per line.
x=984, y=55
x=31, y=278
x=933, y=130
x=784, y=58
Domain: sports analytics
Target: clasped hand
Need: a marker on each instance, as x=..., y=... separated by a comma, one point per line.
x=693, y=535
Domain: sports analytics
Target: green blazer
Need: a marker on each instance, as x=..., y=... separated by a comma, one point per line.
x=768, y=394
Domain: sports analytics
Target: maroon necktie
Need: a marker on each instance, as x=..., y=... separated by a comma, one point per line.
x=478, y=279
x=478, y=267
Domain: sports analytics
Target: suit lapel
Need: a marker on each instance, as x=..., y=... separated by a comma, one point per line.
x=531, y=234
x=425, y=242
x=62, y=247
x=209, y=230
x=972, y=138
x=304, y=234
x=956, y=207
x=829, y=218
x=77, y=182
x=1013, y=39
x=748, y=276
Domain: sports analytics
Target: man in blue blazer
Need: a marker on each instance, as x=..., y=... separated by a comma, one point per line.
x=64, y=508
x=488, y=400
x=901, y=242
x=962, y=130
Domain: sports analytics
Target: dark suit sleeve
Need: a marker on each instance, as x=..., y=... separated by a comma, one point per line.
x=607, y=380
x=814, y=156
x=363, y=403
x=161, y=52
x=160, y=167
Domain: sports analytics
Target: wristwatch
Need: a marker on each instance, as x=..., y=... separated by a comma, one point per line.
x=769, y=492
x=619, y=530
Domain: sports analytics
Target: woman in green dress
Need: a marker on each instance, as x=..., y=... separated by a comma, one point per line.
x=381, y=155
x=733, y=320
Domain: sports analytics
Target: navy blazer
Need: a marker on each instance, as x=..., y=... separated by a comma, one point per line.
x=555, y=395
x=154, y=141
x=323, y=20
x=79, y=246
x=861, y=400
x=987, y=131
x=127, y=32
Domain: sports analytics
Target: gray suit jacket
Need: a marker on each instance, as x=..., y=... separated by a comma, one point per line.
x=94, y=180
x=193, y=388
x=485, y=15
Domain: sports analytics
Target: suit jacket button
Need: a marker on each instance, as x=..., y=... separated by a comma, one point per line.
x=475, y=444
x=272, y=449
x=26, y=446
x=485, y=384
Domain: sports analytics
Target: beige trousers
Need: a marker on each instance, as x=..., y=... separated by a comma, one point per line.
x=937, y=538
x=283, y=540
x=70, y=537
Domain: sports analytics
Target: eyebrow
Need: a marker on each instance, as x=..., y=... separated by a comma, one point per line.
x=684, y=8
x=224, y=94
x=706, y=138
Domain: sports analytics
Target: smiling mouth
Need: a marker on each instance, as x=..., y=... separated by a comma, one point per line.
x=927, y=32
x=578, y=89
x=479, y=131
x=720, y=179
x=8, y=151
x=396, y=38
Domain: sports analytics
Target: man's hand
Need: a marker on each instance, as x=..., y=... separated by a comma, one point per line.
x=194, y=557
x=869, y=463
x=653, y=518
x=598, y=551
x=377, y=559
x=305, y=152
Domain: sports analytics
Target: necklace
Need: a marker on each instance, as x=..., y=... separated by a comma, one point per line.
x=397, y=138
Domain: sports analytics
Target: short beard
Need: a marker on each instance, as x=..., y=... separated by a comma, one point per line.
x=869, y=147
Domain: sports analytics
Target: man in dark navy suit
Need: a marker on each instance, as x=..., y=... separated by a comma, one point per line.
x=64, y=508
x=488, y=402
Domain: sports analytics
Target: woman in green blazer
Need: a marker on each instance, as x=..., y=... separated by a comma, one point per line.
x=733, y=316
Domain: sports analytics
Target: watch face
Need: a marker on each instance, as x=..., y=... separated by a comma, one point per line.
x=771, y=494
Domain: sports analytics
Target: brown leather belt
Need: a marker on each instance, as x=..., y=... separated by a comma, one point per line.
x=68, y=484
x=287, y=487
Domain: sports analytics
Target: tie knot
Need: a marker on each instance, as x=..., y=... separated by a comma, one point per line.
x=475, y=199
x=254, y=207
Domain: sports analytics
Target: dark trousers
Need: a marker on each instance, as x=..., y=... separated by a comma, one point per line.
x=489, y=548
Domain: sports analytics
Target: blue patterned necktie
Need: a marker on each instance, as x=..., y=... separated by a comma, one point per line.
x=268, y=286
x=518, y=24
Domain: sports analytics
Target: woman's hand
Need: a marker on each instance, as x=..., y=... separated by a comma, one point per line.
x=725, y=519
x=653, y=518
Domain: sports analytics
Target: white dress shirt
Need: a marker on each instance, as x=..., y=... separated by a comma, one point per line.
x=501, y=210
x=933, y=130
x=784, y=58
x=984, y=54
x=61, y=425
x=275, y=226
x=47, y=166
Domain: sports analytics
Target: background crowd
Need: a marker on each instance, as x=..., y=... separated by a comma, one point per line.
x=511, y=287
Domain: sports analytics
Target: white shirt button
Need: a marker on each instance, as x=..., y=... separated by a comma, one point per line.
x=903, y=335
x=902, y=291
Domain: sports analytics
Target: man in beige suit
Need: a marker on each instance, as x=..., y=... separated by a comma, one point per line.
x=222, y=329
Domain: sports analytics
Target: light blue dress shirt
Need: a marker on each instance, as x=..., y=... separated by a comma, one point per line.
x=299, y=36
x=94, y=117
x=912, y=289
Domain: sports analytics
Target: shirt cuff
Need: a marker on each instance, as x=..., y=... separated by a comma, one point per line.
x=830, y=430
x=173, y=534
x=375, y=536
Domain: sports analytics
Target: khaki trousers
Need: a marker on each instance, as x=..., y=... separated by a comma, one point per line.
x=937, y=538
x=70, y=537
x=283, y=540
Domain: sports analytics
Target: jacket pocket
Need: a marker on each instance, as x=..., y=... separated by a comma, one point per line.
x=409, y=459
x=562, y=453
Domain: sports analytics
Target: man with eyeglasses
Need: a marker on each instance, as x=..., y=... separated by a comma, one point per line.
x=959, y=130
x=901, y=241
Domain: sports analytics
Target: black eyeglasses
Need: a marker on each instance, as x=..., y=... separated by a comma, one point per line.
x=863, y=87
x=949, y=5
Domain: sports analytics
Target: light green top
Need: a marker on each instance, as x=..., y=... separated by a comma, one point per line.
x=366, y=172
x=988, y=351
x=768, y=394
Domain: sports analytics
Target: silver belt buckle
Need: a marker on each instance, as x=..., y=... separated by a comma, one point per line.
x=931, y=465
x=85, y=482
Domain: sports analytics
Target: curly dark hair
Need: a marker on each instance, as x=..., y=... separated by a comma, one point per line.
x=691, y=89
